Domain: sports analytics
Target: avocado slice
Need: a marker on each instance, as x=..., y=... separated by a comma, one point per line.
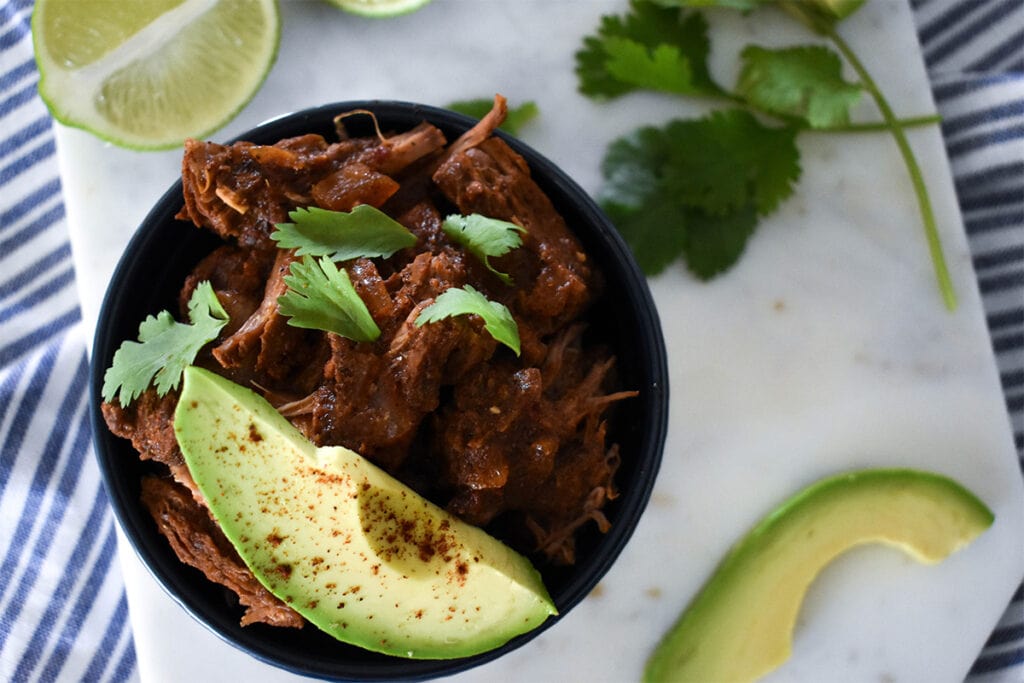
x=740, y=625
x=353, y=550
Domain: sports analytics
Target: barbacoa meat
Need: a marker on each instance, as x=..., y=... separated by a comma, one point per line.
x=515, y=444
x=199, y=542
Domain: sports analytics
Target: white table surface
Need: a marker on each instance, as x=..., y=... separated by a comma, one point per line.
x=827, y=348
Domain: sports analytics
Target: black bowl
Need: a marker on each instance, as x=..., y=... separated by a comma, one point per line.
x=147, y=280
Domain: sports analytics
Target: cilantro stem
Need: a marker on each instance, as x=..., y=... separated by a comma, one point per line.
x=869, y=127
x=877, y=126
x=916, y=177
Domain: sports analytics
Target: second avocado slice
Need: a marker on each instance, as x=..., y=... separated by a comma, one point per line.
x=353, y=550
x=740, y=625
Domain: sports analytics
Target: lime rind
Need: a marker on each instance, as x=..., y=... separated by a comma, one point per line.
x=165, y=83
x=379, y=9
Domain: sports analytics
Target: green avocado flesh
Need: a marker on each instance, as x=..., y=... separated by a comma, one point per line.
x=351, y=549
x=740, y=626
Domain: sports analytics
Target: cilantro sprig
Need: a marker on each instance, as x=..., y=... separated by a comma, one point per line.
x=320, y=296
x=650, y=48
x=803, y=82
x=364, y=231
x=165, y=347
x=695, y=188
x=484, y=237
x=466, y=300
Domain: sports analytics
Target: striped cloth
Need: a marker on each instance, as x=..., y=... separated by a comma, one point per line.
x=63, y=614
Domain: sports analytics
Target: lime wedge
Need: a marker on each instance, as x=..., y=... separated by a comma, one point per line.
x=146, y=74
x=379, y=8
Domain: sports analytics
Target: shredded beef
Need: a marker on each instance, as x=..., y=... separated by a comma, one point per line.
x=199, y=542
x=557, y=281
x=375, y=396
x=265, y=350
x=531, y=441
x=500, y=440
x=149, y=424
x=241, y=191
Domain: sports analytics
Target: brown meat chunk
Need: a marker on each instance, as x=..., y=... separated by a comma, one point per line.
x=265, y=349
x=353, y=184
x=238, y=277
x=531, y=441
x=199, y=542
x=395, y=153
x=376, y=395
x=555, y=281
x=241, y=191
x=149, y=424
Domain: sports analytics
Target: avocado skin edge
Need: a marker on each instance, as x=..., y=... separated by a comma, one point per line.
x=707, y=642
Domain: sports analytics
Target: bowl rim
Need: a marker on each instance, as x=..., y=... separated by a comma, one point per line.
x=639, y=298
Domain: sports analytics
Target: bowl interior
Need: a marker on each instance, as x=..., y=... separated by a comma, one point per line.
x=147, y=279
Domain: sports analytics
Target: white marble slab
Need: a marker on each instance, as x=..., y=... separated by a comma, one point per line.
x=826, y=349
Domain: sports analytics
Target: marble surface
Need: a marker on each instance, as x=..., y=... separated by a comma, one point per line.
x=827, y=348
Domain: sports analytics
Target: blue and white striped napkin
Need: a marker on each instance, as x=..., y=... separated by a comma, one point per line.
x=63, y=614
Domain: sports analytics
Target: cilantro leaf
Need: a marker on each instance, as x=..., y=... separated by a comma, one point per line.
x=655, y=230
x=662, y=67
x=721, y=162
x=805, y=82
x=713, y=244
x=649, y=218
x=484, y=237
x=165, y=347
x=651, y=47
x=454, y=301
x=694, y=187
x=659, y=231
x=516, y=118
x=363, y=232
x=594, y=78
x=818, y=15
x=320, y=296
x=718, y=163
x=633, y=166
